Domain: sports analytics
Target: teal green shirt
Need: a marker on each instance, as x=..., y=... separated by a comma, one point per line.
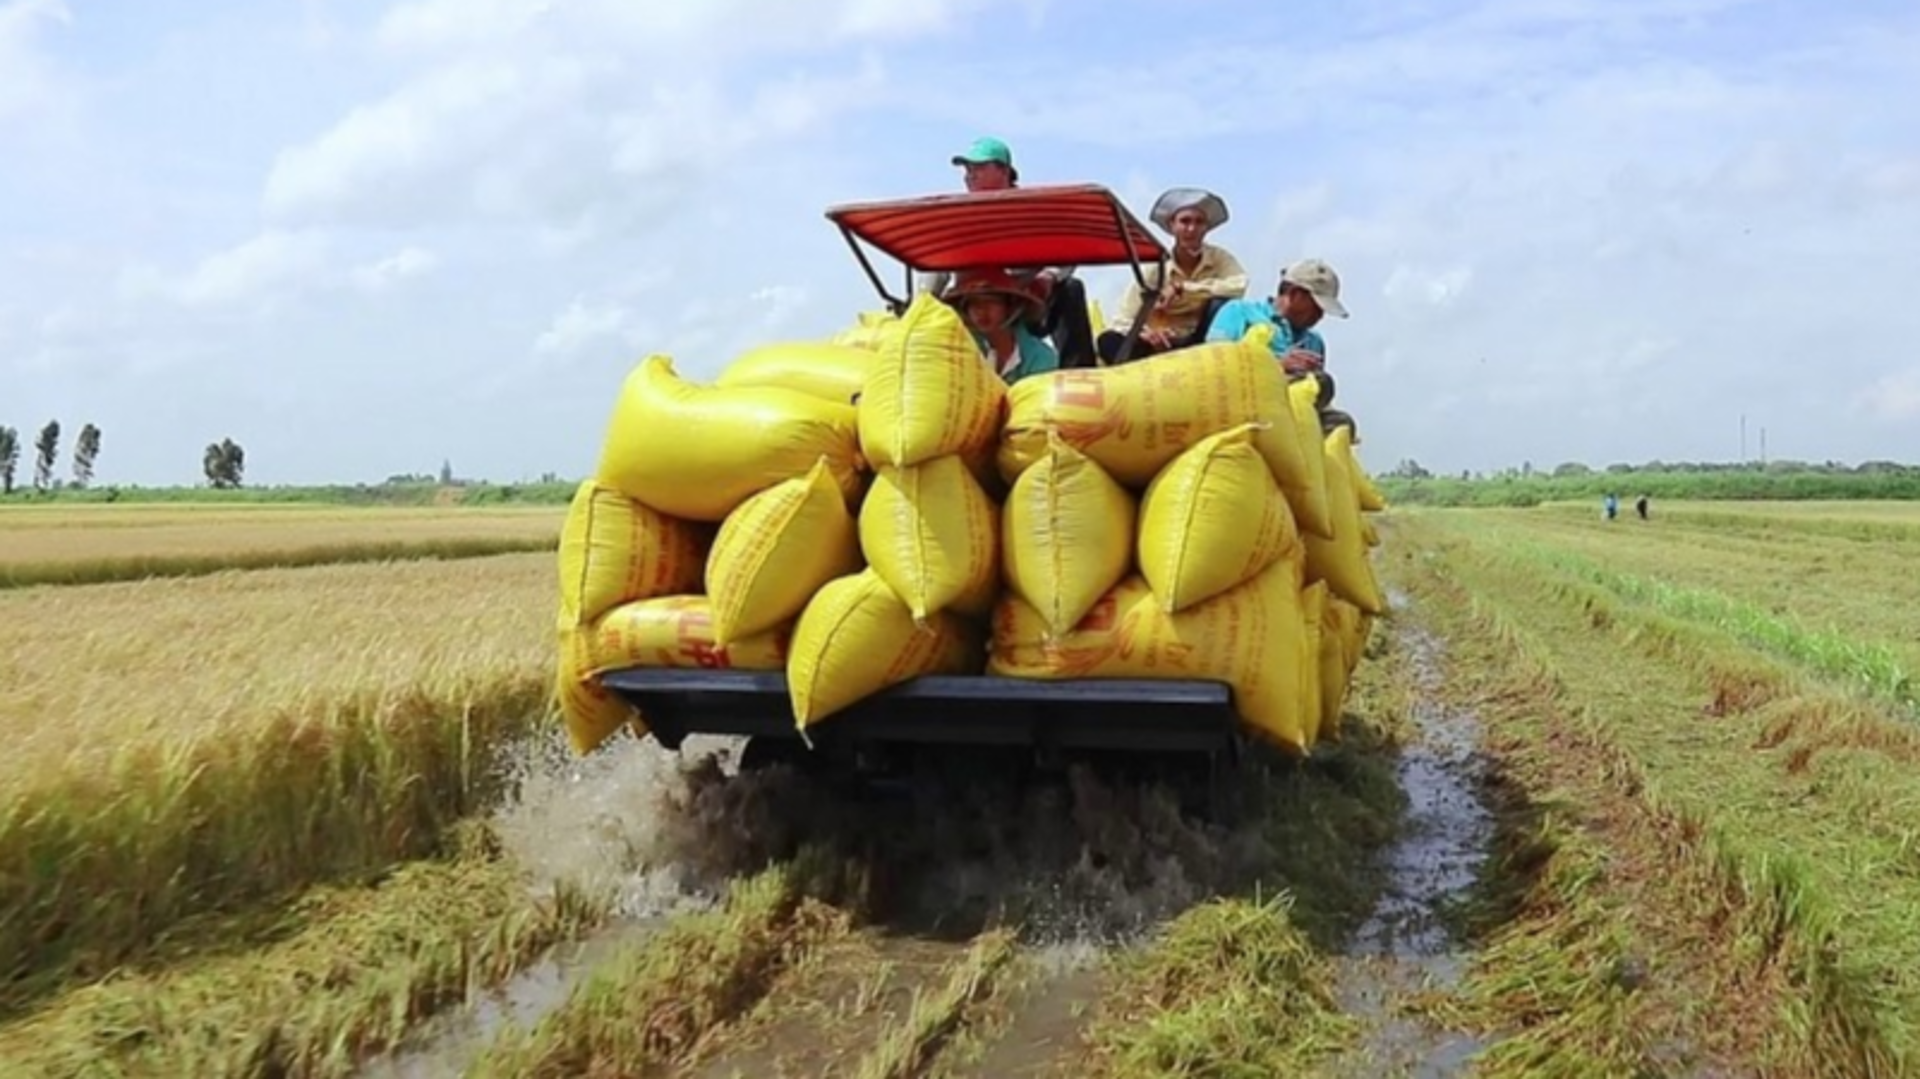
x=1036, y=357
x=1238, y=316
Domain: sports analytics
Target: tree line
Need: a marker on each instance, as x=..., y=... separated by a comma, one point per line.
x=224, y=462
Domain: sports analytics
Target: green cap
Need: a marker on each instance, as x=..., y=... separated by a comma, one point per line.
x=983, y=151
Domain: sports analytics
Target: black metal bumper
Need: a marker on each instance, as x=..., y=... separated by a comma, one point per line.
x=1142, y=715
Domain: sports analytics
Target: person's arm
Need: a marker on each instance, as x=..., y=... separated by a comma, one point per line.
x=1229, y=283
x=1230, y=324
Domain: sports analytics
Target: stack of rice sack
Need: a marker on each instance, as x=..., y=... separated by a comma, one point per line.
x=880, y=506
x=1183, y=517
x=724, y=527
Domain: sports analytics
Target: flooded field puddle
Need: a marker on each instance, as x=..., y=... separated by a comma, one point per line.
x=593, y=823
x=1405, y=947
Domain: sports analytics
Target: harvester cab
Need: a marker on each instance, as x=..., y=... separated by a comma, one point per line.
x=1189, y=721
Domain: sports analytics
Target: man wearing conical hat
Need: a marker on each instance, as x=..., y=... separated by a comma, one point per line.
x=1200, y=278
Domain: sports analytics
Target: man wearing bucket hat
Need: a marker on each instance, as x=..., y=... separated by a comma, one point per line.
x=1309, y=290
x=987, y=165
x=1201, y=278
x=997, y=308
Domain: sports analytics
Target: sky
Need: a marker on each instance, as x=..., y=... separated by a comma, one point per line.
x=364, y=238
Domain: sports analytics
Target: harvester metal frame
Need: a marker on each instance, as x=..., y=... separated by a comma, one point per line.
x=1151, y=719
x=1019, y=228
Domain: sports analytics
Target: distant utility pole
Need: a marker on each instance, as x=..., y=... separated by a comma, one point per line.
x=1743, y=438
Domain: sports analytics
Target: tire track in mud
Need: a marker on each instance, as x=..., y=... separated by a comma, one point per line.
x=1405, y=946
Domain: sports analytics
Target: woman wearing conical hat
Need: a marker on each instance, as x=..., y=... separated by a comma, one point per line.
x=997, y=309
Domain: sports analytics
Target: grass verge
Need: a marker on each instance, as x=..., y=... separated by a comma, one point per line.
x=310, y=990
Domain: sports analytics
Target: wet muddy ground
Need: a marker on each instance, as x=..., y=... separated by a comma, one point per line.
x=1084, y=869
x=1405, y=946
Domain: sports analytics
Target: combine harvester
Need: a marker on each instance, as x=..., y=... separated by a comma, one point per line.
x=867, y=555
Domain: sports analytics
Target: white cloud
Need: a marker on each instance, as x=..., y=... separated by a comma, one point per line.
x=1895, y=397
x=586, y=324
x=384, y=274
x=1561, y=224
x=1420, y=287
x=393, y=160
x=28, y=84
x=251, y=270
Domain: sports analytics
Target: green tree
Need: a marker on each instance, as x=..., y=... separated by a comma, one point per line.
x=9, y=458
x=46, y=449
x=85, y=450
x=224, y=463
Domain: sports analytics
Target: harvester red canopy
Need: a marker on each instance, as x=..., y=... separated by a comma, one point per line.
x=1019, y=228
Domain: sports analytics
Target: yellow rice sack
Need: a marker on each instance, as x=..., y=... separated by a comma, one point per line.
x=1368, y=533
x=1313, y=616
x=1135, y=418
x=828, y=371
x=1350, y=627
x=613, y=549
x=1252, y=637
x=871, y=331
x=1342, y=562
x=589, y=712
x=775, y=550
x=1212, y=520
x=930, y=393
x=1067, y=533
x=698, y=451
x=677, y=631
x=933, y=536
x=1324, y=648
x=857, y=637
x=1338, y=656
x=1371, y=500
x=1308, y=496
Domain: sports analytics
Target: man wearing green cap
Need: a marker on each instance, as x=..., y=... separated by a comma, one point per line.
x=988, y=166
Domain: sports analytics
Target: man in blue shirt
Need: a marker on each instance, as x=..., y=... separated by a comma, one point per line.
x=1309, y=291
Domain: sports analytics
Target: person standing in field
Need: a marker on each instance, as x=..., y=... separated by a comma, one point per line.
x=1640, y=506
x=1610, y=506
x=1200, y=279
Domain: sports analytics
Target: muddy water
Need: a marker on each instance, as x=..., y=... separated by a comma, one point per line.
x=1080, y=865
x=1404, y=946
x=596, y=823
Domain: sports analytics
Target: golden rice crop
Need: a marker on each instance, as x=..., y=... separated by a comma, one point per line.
x=181, y=745
x=38, y=546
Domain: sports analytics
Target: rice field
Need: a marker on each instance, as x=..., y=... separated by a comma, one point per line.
x=84, y=544
x=281, y=800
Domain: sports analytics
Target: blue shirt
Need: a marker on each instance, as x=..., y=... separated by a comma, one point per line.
x=1036, y=356
x=1238, y=316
